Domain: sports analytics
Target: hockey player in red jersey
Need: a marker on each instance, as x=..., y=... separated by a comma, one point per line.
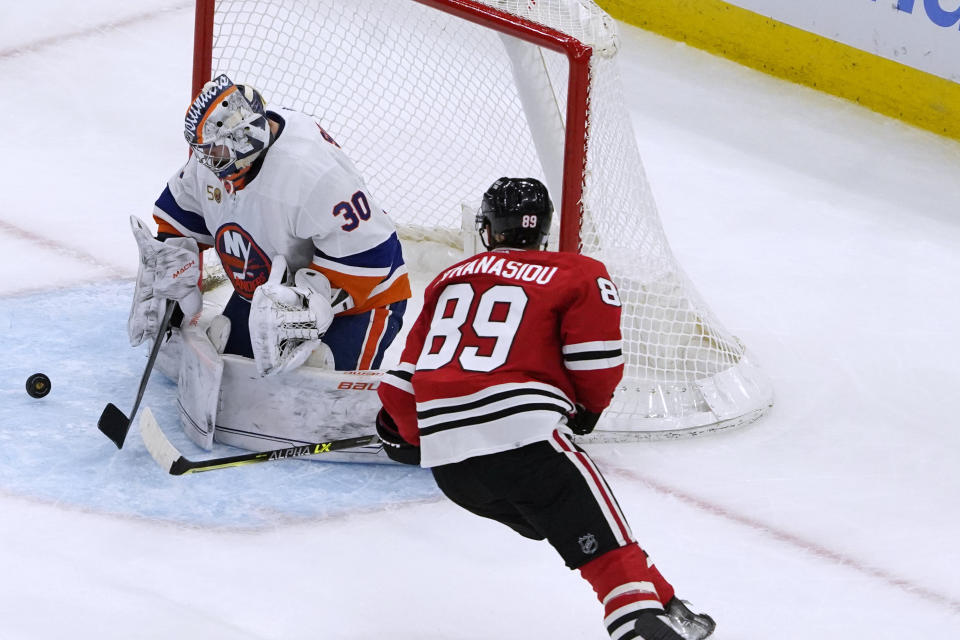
x=515, y=350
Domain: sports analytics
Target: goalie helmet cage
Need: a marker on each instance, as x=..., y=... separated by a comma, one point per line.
x=435, y=99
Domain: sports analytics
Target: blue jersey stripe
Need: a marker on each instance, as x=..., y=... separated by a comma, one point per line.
x=387, y=254
x=193, y=222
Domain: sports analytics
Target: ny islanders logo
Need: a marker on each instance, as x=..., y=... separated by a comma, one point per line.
x=243, y=261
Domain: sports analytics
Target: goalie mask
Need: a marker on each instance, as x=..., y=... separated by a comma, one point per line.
x=515, y=212
x=227, y=127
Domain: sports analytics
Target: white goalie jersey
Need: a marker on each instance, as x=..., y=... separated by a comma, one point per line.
x=306, y=202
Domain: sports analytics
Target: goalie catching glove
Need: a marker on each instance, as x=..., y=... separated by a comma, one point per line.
x=168, y=270
x=287, y=322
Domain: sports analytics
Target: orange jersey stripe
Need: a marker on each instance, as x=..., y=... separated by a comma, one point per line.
x=399, y=290
x=165, y=227
x=377, y=323
x=360, y=287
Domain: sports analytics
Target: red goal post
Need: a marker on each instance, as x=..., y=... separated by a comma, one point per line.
x=435, y=99
x=576, y=52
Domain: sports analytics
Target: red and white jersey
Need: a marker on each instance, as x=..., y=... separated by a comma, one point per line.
x=507, y=342
x=308, y=202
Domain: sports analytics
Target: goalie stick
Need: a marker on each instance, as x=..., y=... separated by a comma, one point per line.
x=114, y=423
x=171, y=460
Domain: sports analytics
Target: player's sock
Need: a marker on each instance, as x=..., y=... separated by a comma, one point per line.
x=627, y=584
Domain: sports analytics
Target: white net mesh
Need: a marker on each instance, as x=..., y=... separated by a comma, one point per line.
x=427, y=105
x=395, y=84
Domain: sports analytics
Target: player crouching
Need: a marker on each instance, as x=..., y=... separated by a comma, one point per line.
x=516, y=350
x=315, y=265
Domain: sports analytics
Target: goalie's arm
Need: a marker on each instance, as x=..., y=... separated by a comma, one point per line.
x=177, y=211
x=371, y=277
x=356, y=248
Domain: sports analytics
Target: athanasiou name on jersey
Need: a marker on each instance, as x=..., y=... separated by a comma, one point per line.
x=508, y=269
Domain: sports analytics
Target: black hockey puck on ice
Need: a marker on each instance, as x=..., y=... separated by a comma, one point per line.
x=38, y=385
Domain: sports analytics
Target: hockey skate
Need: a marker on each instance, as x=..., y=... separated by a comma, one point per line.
x=676, y=623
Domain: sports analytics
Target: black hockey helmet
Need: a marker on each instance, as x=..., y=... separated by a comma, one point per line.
x=515, y=212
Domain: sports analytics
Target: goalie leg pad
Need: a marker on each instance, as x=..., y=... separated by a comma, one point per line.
x=218, y=332
x=304, y=405
x=199, y=386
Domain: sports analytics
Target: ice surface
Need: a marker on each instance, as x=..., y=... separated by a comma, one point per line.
x=825, y=236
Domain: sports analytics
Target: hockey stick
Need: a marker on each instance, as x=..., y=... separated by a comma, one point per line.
x=170, y=459
x=114, y=423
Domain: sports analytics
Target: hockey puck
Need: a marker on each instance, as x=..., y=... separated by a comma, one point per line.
x=38, y=385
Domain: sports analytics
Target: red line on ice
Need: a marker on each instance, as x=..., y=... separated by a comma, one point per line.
x=37, y=45
x=62, y=249
x=796, y=541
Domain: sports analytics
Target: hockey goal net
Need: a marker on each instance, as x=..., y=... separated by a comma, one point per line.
x=436, y=99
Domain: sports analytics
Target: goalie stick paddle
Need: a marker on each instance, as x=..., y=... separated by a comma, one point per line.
x=171, y=460
x=114, y=423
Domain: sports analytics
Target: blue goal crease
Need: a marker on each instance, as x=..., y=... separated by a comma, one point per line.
x=54, y=452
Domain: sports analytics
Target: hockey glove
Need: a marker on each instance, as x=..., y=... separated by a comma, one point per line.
x=582, y=421
x=287, y=322
x=396, y=448
x=168, y=271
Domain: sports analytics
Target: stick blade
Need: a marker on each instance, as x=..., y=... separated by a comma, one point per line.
x=160, y=448
x=114, y=424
